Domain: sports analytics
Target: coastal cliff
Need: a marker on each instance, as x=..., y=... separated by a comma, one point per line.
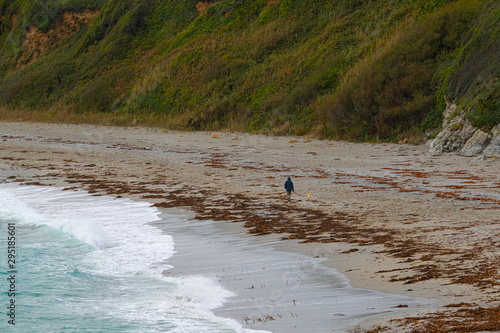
x=354, y=70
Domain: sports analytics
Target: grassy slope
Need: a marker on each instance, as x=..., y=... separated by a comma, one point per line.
x=359, y=70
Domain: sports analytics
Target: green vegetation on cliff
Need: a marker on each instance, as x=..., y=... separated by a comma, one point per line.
x=347, y=69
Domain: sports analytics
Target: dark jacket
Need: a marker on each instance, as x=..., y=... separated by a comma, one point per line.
x=289, y=185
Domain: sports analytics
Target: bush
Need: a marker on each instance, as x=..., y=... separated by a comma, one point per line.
x=486, y=113
x=224, y=67
x=393, y=92
x=99, y=94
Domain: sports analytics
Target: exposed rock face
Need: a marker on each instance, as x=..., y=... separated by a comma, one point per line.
x=493, y=148
x=454, y=135
x=476, y=144
x=458, y=134
x=451, y=108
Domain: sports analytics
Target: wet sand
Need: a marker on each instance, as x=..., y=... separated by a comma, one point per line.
x=276, y=288
x=392, y=218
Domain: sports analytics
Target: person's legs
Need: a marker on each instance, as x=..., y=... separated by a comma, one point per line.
x=289, y=193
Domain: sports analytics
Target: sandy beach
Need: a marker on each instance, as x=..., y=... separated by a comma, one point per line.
x=391, y=218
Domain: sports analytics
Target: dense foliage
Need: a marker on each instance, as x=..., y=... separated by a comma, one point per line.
x=348, y=69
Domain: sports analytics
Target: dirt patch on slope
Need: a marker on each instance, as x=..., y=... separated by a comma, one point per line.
x=36, y=42
x=202, y=6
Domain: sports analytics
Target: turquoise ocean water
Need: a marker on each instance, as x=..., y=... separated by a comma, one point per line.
x=91, y=264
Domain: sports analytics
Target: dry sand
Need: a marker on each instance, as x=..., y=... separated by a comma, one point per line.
x=392, y=218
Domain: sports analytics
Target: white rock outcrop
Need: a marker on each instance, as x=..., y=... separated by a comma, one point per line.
x=476, y=144
x=460, y=135
x=493, y=148
x=454, y=135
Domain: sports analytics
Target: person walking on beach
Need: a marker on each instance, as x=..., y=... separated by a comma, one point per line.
x=289, y=188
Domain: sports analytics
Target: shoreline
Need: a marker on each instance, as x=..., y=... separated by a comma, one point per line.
x=322, y=297
x=277, y=287
x=438, y=200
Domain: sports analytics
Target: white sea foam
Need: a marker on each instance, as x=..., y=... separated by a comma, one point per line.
x=115, y=225
x=124, y=248
x=30, y=205
x=200, y=292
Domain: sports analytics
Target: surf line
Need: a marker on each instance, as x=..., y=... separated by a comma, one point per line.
x=11, y=264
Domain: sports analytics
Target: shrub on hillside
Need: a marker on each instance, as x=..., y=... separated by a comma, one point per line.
x=98, y=93
x=474, y=81
x=392, y=92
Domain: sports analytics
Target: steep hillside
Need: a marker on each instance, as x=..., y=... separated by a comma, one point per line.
x=347, y=69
